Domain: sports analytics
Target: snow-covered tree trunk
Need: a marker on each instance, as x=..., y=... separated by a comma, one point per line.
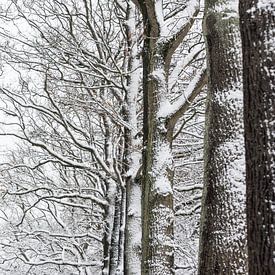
x=112, y=211
x=257, y=19
x=158, y=214
x=157, y=194
x=117, y=236
x=162, y=37
x=132, y=152
x=223, y=221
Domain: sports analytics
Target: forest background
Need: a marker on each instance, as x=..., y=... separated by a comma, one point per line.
x=120, y=159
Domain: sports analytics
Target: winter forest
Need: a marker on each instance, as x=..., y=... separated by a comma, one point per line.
x=137, y=137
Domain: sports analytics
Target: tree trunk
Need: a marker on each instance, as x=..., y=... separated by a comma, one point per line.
x=223, y=238
x=132, y=152
x=115, y=264
x=121, y=234
x=157, y=195
x=113, y=213
x=109, y=229
x=257, y=29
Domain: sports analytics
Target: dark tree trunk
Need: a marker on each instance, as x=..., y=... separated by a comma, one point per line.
x=257, y=29
x=223, y=240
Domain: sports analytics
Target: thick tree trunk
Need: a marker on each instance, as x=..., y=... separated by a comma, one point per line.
x=223, y=238
x=157, y=195
x=158, y=214
x=257, y=28
x=158, y=123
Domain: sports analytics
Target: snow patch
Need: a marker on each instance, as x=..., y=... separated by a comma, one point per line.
x=163, y=163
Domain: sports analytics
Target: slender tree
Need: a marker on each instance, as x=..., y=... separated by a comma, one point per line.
x=132, y=153
x=223, y=239
x=257, y=19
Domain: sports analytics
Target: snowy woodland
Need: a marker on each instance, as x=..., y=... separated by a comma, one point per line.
x=137, y=137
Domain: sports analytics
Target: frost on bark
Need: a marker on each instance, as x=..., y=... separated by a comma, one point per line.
x=132, y=153
x=159, y=121
x=157, y=205
x=223, y=240
x=82, y=118
x=257, y=19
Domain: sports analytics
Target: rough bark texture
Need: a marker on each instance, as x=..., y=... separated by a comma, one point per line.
x=157, y=206
x=158, y=215
x=157, y=179
x=257, y=28
x=223, y=240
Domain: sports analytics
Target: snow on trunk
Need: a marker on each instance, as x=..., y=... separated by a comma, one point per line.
x=133, y=155
x=223, y=222
x=157, y=200
x=109, y=225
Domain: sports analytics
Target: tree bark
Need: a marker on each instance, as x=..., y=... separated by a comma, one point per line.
x=223, y=238
x=257, y=29
x=157, y=200
x=158, y=125
x=157, y=194
x=109, y=229
x=132, y=152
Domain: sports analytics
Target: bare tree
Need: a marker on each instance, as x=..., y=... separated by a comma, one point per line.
x=53, y=218
x=77, y=115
